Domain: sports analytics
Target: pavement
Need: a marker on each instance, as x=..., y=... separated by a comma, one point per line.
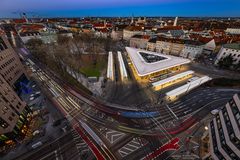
x=61, y=149
x=50, y=132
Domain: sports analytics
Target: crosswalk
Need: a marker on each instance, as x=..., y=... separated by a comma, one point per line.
x=81, y=146
x=130, y=147
x=113, y=135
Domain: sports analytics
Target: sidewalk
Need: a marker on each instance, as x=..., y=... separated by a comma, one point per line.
x=49, y=132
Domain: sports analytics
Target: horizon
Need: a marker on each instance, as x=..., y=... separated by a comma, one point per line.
x=120, y=8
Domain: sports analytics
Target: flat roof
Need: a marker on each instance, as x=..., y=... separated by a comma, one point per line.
x=144, y=68
x=188, y=86
x=170, y=79
x=232, y=46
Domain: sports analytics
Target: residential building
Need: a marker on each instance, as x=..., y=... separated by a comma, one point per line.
x=130, y=31
x=117, y=32
x=169, y=46
x=10, y=66
x=233, y=30
x=151, y=44
x=139, y=41
x=232, y=49
x=13, y=117
x=192, y=49
x=224, y=132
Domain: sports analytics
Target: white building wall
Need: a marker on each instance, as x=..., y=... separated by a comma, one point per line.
x=233, y=30
x=128, y=34
x=224, y=52
x=138, y=43
x=191, y=52
x=151, y=46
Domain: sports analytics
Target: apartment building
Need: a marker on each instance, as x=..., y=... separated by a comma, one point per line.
x=13, y=111
x=224, y=132
x=139, y=41
x=192, y=49
x=130, y=31
x=232, y=49
x=169, y=46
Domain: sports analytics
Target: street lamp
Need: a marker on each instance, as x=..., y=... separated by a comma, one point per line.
x=206, y=128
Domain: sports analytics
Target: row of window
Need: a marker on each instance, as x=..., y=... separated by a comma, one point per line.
x=235, y=111
x=7, y=63
x=225, y=147
x=232, y=50
x=214, y=140
x=232, y=54
x=3, y=123
x=230, y=129
x=3, y=45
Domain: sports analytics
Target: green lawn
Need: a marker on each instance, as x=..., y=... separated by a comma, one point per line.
x=91, y=71
x=94, y=70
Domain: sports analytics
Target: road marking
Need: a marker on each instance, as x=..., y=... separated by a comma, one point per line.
x=130, y=147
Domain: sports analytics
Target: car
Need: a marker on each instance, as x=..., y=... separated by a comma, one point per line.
x=36, y=145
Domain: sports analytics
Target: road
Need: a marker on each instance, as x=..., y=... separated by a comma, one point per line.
x=76, y=106
x=61, y=149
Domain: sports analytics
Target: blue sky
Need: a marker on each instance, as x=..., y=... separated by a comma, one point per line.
x=75, y=8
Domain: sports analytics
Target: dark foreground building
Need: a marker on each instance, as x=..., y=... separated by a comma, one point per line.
x=13, y=111
x=224, y=132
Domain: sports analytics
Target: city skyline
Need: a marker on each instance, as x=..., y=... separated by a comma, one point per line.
x=94, y=8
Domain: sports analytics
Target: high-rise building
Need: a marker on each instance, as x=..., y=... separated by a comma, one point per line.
x=11, y=68
x=13, y=111
x=224, y=131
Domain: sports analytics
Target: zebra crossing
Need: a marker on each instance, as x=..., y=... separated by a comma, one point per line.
x=81, y=146
x=113, y=135
x=130, y=147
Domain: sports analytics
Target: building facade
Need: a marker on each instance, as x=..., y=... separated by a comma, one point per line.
x=13, y=117
x=130, y=31
x=192, y=49
x=232, y=50
x=233, y=30
x=169, y=46
x=139, y=41
x=224, y=131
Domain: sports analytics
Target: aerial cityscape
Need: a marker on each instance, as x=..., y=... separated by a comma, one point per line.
x=120, y=80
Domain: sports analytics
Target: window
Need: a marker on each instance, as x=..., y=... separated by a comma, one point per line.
x=10, y=118
x=3, y=123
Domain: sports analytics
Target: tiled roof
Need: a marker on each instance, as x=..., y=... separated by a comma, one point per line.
x=133, y=28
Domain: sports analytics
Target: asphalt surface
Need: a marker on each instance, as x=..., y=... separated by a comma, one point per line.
x=63, y=148
x=189, y=104
x=194, y=101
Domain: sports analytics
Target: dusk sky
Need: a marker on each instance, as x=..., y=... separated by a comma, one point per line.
x=75, y=8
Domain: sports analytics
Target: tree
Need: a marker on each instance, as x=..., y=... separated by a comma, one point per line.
x=226, y=62
x=237, y=66
x=33, y=43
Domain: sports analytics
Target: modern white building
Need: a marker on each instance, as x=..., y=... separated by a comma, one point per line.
x=232, y=50
x=172, y=80
x=122, y=66
x=224, y=132
x=147, y=64
x=174, y=94
x=110, y=69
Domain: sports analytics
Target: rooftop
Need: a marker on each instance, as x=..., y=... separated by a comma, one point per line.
x=232, y=46
x=146, y=62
